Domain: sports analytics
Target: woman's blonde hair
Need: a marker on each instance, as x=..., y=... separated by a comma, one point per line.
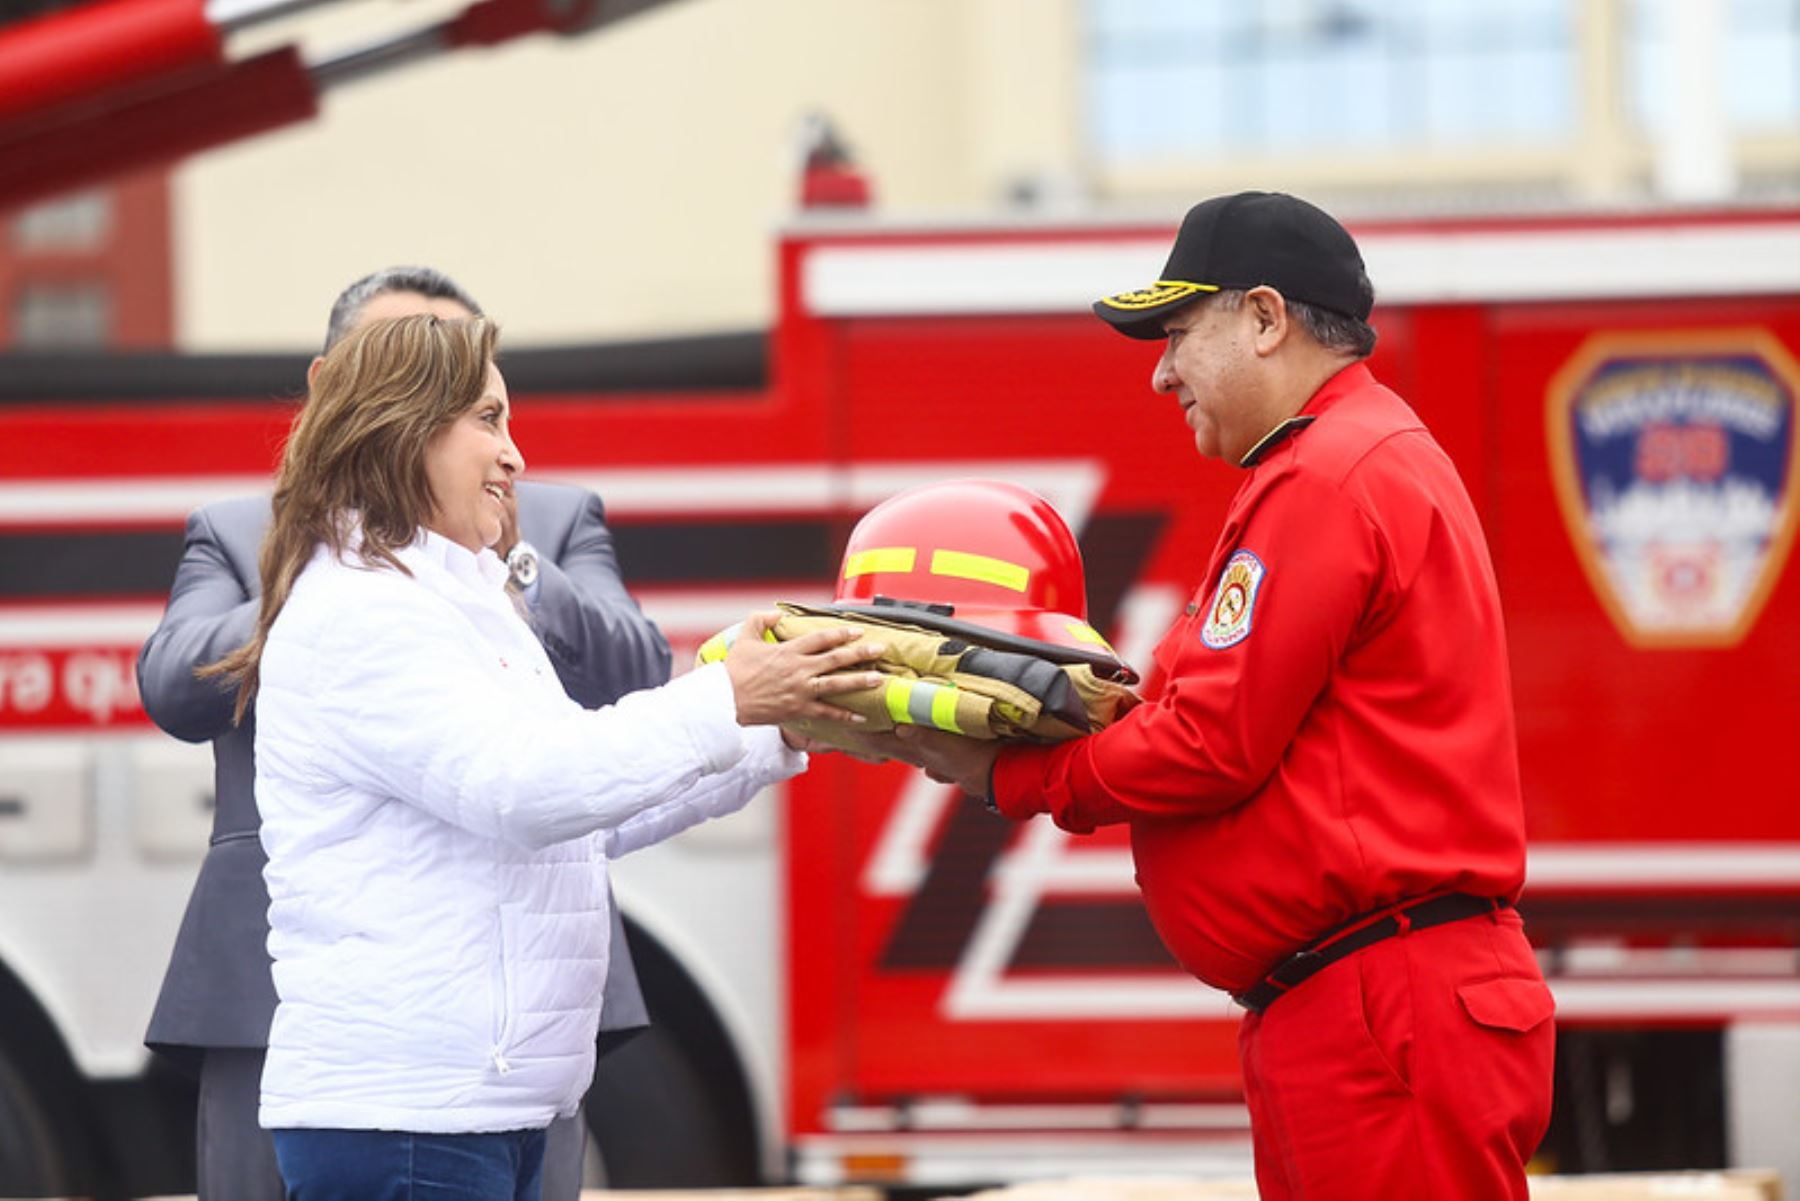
x=357, y=447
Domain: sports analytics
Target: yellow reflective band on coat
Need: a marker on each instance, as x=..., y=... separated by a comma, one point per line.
x=899, y=692
x=943, y=709
x=965, y=566
x=714, y=649
x=897, y=560
x=917, y=703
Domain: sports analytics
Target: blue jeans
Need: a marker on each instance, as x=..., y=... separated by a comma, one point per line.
x=388, y=1165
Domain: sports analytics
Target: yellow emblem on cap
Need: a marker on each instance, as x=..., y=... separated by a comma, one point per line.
x=1159, y=293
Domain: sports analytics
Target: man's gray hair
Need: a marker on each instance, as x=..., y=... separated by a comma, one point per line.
x=1332, y=330
x=434, y=285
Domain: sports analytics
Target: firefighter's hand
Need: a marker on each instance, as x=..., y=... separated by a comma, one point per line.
x=774, y=682
x=965, y=762
x=797, y=741
x=866, y=746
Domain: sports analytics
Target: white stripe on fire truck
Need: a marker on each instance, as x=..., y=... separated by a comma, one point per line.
x=1676, y=998
x=958, y=1114
x=1045, y=863
x=1071, y=485
x=920, y=277
x=78, y=625
x=1725, y=866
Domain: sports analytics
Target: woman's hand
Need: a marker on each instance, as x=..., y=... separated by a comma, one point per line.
x=782, y=681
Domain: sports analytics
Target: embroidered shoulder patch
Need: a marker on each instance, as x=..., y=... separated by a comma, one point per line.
x=1234, y=602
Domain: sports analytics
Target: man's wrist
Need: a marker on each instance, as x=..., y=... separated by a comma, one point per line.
x=991, y=794
x=1014, y=782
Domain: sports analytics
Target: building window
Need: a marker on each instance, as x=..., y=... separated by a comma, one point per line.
x=91, y=269
x=63, y=315
x=1175, y=79
x=79, y=225
x=1759, y=74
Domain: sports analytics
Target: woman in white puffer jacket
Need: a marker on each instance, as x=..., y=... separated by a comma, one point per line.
x=437, y=813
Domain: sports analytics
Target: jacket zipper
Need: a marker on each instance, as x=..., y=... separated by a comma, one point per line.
x=503, y=1035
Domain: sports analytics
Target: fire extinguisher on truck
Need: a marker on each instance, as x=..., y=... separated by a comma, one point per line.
x=867, y=979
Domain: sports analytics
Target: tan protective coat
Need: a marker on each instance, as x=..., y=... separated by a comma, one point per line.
x=952, y=684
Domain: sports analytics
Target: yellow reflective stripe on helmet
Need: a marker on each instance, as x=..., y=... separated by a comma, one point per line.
x=965, y=566
x=899, y=699
x=943, y=709
x=896, y=559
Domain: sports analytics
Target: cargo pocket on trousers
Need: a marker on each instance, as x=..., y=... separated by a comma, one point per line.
x=1515, y=1003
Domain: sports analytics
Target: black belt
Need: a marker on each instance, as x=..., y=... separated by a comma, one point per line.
x=1324, y=952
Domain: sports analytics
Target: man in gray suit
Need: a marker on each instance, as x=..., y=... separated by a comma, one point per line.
x=218, y=997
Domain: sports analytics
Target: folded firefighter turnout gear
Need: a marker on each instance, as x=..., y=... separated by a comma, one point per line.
x=976, y=588
x=969, y=682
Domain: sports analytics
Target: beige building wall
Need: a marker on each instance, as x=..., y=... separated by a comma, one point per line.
x=630, y=182
x=624, y=183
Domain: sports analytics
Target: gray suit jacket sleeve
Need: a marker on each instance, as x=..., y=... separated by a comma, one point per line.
x=217, y=991
x=599, y=641
x=212, y=611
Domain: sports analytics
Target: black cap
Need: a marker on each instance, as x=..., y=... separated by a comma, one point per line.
x=1245, y=241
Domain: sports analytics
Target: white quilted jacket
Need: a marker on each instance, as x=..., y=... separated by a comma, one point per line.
x=438, y=816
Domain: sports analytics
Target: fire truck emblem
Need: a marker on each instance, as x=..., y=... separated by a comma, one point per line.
x=1673, y=456
x=1228, y=621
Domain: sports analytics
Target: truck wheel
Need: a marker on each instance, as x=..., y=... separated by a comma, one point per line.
x=29, y=1163
x=670, y=1108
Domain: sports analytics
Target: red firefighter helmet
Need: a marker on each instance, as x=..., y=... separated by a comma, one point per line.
x=980, y=558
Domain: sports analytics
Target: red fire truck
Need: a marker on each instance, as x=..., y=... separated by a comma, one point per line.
x=865, y=978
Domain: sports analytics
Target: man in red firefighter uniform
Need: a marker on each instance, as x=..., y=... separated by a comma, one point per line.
x=1322, y=788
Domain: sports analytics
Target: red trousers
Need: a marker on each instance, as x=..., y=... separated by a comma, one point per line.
x=1416, y=1069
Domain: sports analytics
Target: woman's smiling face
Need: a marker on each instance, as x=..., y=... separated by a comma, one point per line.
x=470, y=466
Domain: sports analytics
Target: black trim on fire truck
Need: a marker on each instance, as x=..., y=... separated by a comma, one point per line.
x=703, y=363
x=97, y=564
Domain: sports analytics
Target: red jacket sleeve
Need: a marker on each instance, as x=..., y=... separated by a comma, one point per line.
x=1217, y=729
